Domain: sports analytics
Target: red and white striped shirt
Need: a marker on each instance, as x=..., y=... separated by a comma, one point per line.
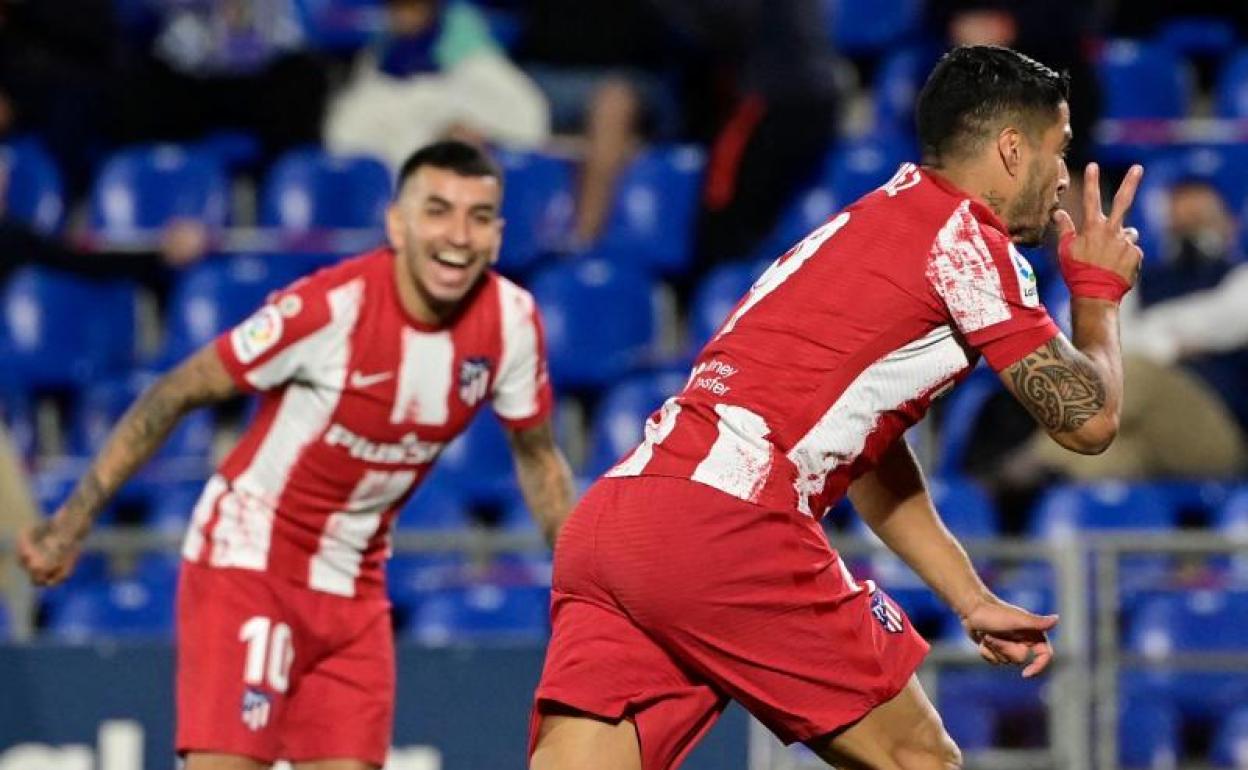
x=843, y=344
x=357, y=400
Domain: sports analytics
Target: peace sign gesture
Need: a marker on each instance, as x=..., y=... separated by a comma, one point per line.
x=1104, y=242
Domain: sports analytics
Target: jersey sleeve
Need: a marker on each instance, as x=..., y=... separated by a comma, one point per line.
x=522, y=394
x=989, y=291
x=274, y=344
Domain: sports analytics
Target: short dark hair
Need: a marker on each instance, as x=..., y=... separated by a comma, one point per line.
x=973, y=89
x=450, y=154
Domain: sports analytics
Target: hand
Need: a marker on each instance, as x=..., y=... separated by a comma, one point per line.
x=1104, y=242
x=1008, y=634
x=183, y=242
x=48, y=551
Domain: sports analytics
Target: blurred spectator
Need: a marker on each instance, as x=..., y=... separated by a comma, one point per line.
x=225, y=64
x=17, y=501
x=1056, y=32
x=437, y=72
x=605, y=66
x=773, y=64
x=58, y=61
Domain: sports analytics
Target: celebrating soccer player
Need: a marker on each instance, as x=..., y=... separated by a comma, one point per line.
x=366, y=371
x=696, y=570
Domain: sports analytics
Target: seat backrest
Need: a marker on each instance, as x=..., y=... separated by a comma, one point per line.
x=1143, y=80
x=1169, y=621
x=1231, y=90
x=1067, y=510
x=143, y=188
x=537, y=206
x=621, y=415
x=652, y=217
x=860, y=28
x=715, y=297
x=32, y=192
x=308, y=189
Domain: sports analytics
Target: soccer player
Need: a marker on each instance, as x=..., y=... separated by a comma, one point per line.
x=365, y=371
x=696, y=570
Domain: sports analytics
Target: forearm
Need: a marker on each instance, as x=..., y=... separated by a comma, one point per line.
x=548, y=489
x=1094, y=323
x=894, y=503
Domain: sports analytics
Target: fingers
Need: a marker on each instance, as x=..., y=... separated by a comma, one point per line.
x=1044, y=655
x=1064, y=223
x=1092, y=193
x=1125, y=195
x=1132, y=235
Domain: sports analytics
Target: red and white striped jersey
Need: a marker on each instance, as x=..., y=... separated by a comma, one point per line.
x=357, y=399
x=842, y=345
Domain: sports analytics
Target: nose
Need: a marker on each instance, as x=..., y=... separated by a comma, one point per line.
x=458, y=234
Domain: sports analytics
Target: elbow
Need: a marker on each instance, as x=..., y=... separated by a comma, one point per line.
x=1093, y=437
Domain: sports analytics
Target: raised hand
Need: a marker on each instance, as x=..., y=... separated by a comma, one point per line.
x=1008, y=634
x=1104, y=242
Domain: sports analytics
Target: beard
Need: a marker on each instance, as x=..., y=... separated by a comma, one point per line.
x=1030, y=214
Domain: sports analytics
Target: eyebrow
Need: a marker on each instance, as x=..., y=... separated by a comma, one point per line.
x=438, y=200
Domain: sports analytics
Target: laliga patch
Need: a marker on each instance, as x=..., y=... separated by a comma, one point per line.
x=1026, y=278
x=290, y=305
x=257, y=334
x=884, y=612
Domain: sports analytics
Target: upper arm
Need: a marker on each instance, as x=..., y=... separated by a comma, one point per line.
x=522, y=395
x=270, y=346
x=201, y=379
x=1064, y=392
x=894, y=479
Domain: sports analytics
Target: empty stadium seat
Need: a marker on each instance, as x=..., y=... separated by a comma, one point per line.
x=483, y=613
x=308, y=189
x=1230, y=742
x=1068, y=510
x=32, y=193
x=999, y=697
x=1231, y=91
x=478, y=464
x=6, y=621
x=1149, y=733
x=1197, y=35
x=143, y=188
x=537, y=206
x=1231, y=520
x=1189, y=620
x=437, y=505
x=233, y=150
x=62, y=330
x=170, y=510
x=810, y=209
x=621, y=416
x=652, y=217
x=868, y=28
x=1143, y=80
x=600, y=321
x=856, y=168
x=139, y=605
x=715, y=297
x=216, y=294
x=898, y=79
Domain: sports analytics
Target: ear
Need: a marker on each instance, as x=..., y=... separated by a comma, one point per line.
x=1010, y=150
x=394, y=226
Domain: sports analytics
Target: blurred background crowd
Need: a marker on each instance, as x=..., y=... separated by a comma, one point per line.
x=164, y=164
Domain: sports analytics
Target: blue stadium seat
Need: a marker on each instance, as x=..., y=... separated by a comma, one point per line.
x=1143, y=80
x=621, y=416
x=233, y=150
x=1231, y=520
x=437, y=505
x=869, y=28
x=1231, y=91
x=715, y=297
x=537, y=206
x=1230, y=743
x=898, y=79
x=62, y=330
x=216, y=294
x=145, y=187
x=1189, y=620
x=6, y=621
x=139, y=605
x=170, y=510
x=495, y=611
x=17, y=409
x=651, y=221
x=478, y=463
x=810, y=209
x=858, y=167
x=600, y=321
x=1149, y=733
x=1067, y=510
x=33, y=194
x=1197, y=35
x=964, y=507
x=308, y=189
x=959, y=413
x=996, y=696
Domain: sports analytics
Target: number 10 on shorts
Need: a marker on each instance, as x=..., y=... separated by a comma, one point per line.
x=270, y=653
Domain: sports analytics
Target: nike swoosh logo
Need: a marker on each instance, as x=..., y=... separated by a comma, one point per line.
x=360, y=380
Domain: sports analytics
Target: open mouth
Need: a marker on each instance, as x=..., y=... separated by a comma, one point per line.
x=454, y=259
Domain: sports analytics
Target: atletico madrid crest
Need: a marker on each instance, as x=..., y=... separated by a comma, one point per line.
x=256, y=708
x=474, y=379
x=885, y=612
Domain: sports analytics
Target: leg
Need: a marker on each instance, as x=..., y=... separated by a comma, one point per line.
x=904, y=733
x=202, y=760
x=569, y=741
x=335, y=764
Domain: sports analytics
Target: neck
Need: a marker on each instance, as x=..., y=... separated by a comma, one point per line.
x=415, y=302
x=976, y=182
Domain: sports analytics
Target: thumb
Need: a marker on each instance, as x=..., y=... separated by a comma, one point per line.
x=1065, y=225
x=1038, y=622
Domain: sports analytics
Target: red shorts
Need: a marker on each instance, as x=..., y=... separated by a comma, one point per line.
x=670, y=597
x=271, y=670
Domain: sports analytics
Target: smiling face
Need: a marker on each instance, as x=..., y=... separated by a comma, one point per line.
x=446, y=230
x=1030, y=213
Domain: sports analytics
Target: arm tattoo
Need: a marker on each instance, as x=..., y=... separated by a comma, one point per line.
x=545, y=480
x=1060, y=389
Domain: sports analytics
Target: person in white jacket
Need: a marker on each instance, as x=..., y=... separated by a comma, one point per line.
x=437, y=72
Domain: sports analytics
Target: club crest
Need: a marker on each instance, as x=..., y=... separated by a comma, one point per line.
x=474, y=379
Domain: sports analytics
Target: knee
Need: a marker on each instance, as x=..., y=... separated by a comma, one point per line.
x=933, y=751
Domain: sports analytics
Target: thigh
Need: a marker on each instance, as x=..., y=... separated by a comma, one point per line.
x=343, y=709
x=205, y=761
x=233, y=654
x=570, y=741
x=904, y=733
x=756, y=603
